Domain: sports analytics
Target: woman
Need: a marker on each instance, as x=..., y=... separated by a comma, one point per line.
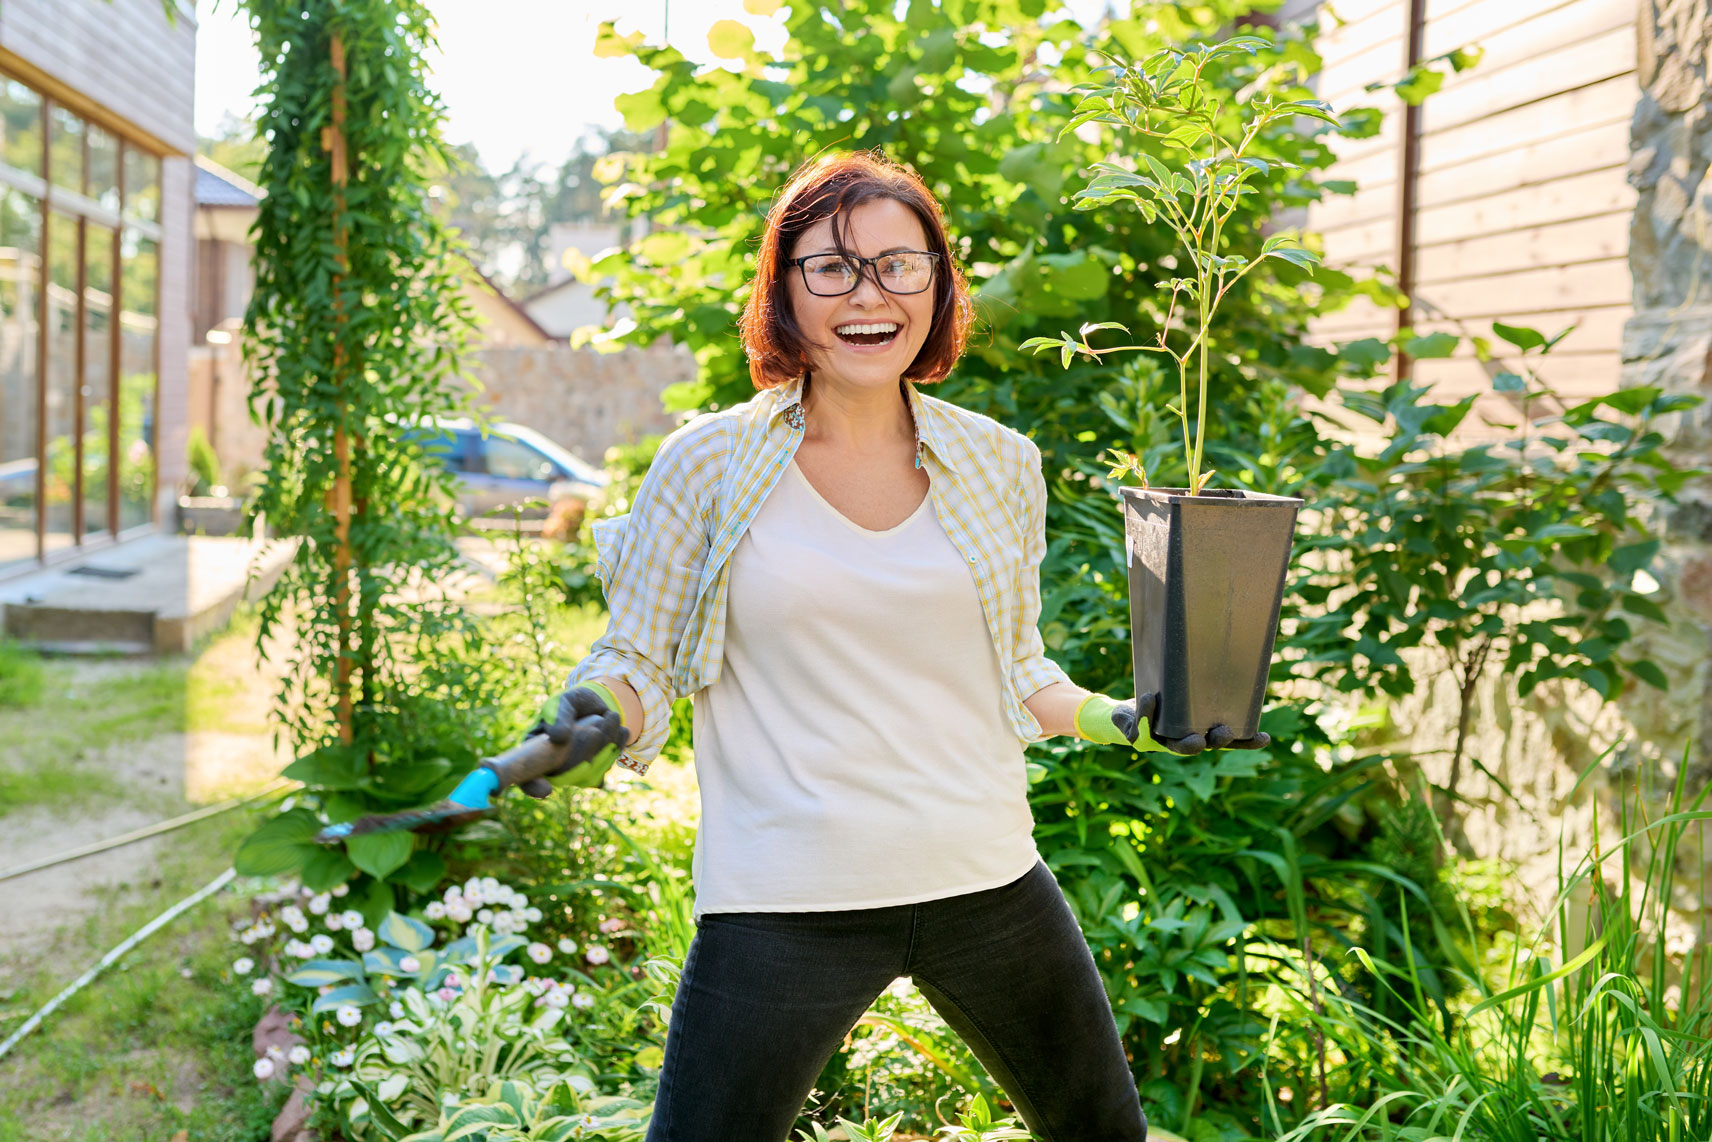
x=845, y=573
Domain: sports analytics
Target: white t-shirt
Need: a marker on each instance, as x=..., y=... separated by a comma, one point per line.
x=854, y=752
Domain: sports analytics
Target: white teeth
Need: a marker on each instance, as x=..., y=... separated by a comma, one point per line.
x=881, y=327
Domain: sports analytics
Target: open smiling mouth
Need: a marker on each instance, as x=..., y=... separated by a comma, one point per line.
x=874, y=333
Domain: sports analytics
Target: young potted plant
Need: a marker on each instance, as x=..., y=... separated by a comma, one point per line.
x=1206, y=565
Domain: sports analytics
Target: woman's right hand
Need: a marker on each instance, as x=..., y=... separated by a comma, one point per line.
x=588, y=722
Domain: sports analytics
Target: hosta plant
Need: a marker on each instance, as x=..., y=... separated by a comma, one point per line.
x=455, y=1045
x=514, y=1111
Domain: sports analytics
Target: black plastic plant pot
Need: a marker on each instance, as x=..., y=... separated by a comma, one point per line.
x=1206, y=575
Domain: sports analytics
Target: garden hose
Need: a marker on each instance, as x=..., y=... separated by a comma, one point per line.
x=112, y=957
x=142, y=833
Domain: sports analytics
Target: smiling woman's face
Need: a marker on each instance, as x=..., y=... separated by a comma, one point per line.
x=881, y=226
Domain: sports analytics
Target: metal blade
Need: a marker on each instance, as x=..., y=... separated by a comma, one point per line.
x=436, y=818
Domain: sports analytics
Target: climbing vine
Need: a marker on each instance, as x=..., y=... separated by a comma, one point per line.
x=356, y=331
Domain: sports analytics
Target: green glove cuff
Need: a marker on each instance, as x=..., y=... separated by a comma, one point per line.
x=607, y=696
x=1094, y=721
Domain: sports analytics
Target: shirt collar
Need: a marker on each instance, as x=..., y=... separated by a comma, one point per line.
x=929, y=431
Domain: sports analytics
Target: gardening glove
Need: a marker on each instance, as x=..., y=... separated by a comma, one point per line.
x=1100, y=719
x=588, y=719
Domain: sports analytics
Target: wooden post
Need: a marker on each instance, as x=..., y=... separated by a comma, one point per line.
x=1407, y=178
x=333, y=141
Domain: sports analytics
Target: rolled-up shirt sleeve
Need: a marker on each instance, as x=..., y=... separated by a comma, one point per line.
x=650, y=564
x=1031, y=669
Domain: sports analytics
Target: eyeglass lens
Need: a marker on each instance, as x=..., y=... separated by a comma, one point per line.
x=906, y=272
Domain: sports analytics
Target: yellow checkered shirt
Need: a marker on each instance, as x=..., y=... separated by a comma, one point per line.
x=665, y=564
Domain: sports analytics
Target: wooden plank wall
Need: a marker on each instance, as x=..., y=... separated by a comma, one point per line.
x=122, y=56
x=1523, y=210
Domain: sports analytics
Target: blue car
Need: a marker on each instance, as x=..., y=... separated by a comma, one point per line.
x=510, y=464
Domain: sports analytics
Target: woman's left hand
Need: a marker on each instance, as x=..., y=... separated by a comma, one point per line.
x=1100, y=719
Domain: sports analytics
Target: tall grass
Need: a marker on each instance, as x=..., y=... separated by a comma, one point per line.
x=1603, y=1036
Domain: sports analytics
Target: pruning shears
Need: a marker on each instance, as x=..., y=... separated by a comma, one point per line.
x=528, y=766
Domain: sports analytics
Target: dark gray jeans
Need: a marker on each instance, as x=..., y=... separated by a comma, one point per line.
x=766, y=997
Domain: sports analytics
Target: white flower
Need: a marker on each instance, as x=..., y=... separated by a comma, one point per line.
x=263, y=1068
x=262, y=986
x=490, y=885
x=344, y=1056
x=485, y=915
x=454, y=893
x=249, y=936
x=275, y=1052
x=362, y=939
x=264, y=928
x=611, y=925
x=583, y=1000
x=569, y=947
x=597, y=954
x=302, y=949
x=396, y=1010
x=242, y=965
x=318, y=904
x=533, y=915
x=292, y=917
x=348, y=1015
x=587, y=1122
x=582, y=1084
x=352, y=918
x=299, y=1055
x=341, y=889
x=321, y=943
x=334, y=921
x=410, y=965
x=540, y=952
x=556, y=999
x=460, y=912
x=518, y=900
x=435, y=910
x=383, y=1028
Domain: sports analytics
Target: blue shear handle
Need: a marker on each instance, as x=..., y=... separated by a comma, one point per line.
x=476, y=789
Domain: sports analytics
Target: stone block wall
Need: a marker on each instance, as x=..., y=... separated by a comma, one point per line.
x=583, y=399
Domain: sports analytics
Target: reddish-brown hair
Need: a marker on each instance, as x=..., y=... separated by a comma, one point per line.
x=828, y=186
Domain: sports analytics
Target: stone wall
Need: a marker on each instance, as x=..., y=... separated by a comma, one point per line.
x=1668, y=341
x=583, y=399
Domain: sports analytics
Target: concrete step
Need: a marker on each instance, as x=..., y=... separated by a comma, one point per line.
x=160, y=592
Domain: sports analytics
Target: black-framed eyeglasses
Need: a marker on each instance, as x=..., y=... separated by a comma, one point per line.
x=900, y=272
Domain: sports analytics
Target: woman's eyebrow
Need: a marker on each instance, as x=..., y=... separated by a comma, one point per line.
x=881, y=254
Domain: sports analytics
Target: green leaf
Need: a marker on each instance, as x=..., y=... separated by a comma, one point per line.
x=422, y=872
x=1633, y=400
x=355, y=994
x=379, y=1116
x=1520, y=336
x=730, y=39
x=405, y=932
x=320, y=973
x=1648, y=671
x=1631, y=557
x=281, y=845
x=380, y=853
x=1432, y=345
x=1509, y=383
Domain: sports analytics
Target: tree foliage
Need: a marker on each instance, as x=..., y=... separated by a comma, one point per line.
x=1198, y=881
